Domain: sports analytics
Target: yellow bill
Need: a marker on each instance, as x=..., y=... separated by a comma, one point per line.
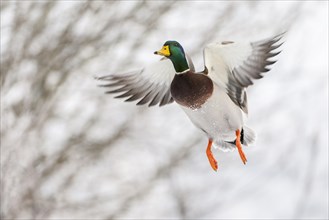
x=164, y=51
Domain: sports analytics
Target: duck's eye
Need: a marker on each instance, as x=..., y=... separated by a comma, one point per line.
x=176, y=45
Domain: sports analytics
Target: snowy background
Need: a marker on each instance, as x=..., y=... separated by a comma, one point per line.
x=69, y=151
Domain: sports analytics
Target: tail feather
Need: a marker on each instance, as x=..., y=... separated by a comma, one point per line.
x=249, y=137
x=223, y=145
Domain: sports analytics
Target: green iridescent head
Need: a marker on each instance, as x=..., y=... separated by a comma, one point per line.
x=175, y=52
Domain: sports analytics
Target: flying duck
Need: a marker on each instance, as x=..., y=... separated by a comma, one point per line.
x=215, y=99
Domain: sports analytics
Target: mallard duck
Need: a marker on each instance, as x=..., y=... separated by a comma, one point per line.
x=215, y=100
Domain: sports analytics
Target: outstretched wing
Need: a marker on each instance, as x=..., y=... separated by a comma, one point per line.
x=235, y=66
x=150, y=85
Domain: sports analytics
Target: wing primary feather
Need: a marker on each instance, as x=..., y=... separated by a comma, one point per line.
x=257, y=69
x=116, y=77
x=110, y=85
x=266, y=49
x=269, y=41
x=126, y=94
x=260, y=66
x=106, y=77
x=122, y=89
x=166, y=98
x=268, y=62
x=254, y=70
x=241, y=78
x=155, y=100
x=139, y=94
x=244, y=103
x=237, y=66
x=243, y=73
x=273, y=54
x=162, y=94
x=131, y=92
x=135, y=97
x=273, y=47
x=150, y=85
x=147, y=97
x=121, y=82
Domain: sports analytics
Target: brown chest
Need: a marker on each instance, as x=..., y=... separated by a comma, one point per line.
x=191, y=90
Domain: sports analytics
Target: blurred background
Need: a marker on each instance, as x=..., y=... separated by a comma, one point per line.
x=70, y=151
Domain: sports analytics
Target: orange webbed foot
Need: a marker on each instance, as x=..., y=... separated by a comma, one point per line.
x=239, y=146
x=212, y=160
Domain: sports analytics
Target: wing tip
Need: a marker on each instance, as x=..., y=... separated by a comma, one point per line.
x=105, y=77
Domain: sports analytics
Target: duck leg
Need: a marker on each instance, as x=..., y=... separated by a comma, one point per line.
x=212, y=160
x=238, y=145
